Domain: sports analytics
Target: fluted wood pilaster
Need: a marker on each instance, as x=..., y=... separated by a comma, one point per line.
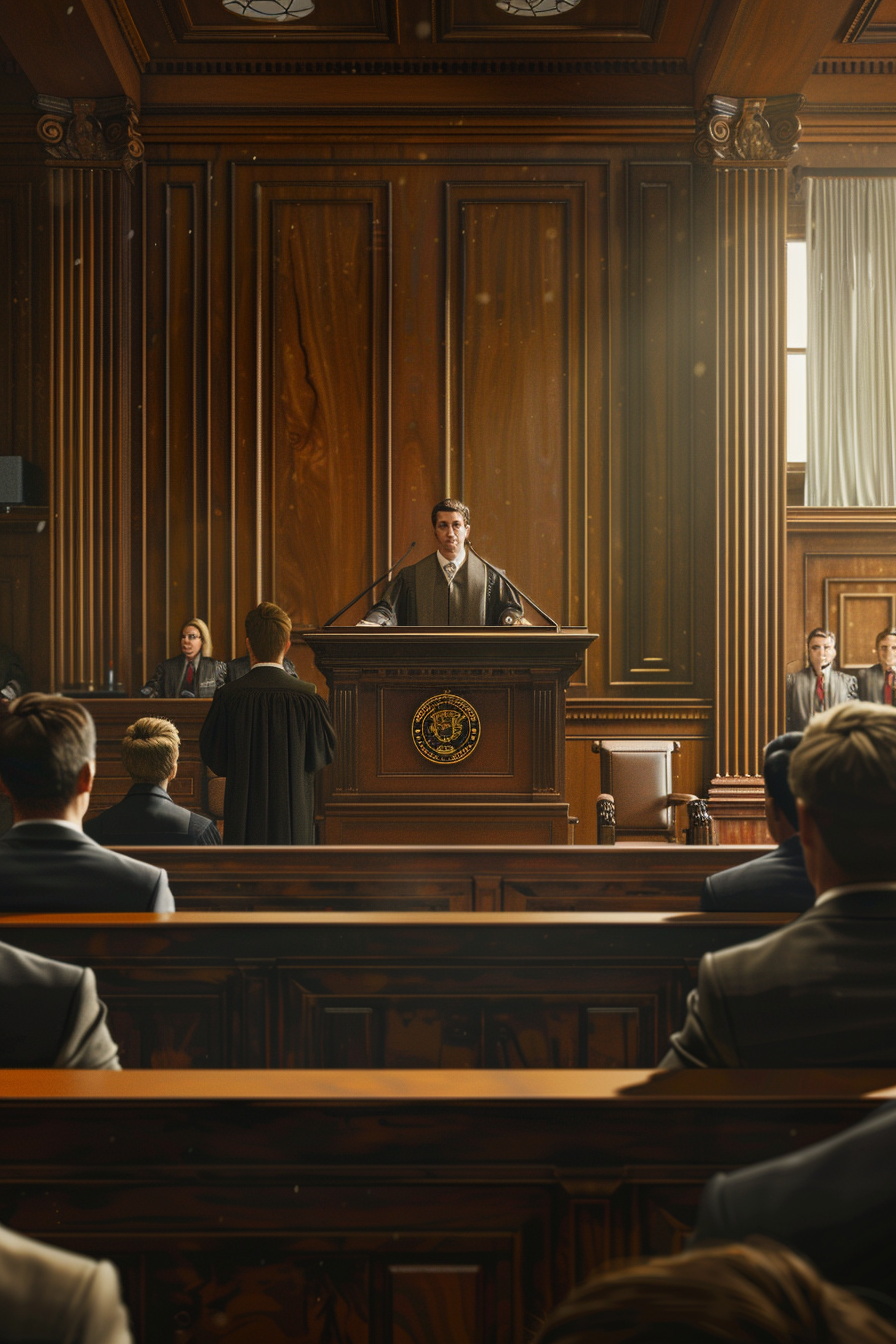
x=750, y=206
x=89, y=224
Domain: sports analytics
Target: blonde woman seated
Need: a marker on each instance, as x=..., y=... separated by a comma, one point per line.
x=193, y=673
x=148, y=815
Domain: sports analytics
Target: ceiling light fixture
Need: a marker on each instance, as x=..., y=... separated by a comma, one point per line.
x=270, y=11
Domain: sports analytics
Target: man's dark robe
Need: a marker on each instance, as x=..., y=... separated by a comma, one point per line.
x=421, y=595
x=268, y=733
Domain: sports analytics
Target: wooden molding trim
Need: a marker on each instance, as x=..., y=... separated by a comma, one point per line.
x=803, y=519
x=439, y=67
x=90, y=131
x=748, y=132
x=582, y=713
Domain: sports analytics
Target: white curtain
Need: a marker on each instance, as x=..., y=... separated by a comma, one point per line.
x=851, y=346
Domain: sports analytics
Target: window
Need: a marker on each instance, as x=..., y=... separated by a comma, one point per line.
x=797, y=322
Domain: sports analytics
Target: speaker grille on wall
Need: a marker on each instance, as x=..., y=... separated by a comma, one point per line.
x=20, y=481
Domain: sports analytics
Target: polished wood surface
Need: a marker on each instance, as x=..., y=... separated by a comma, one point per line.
x=453, y=878
x=413, y=1205
x=510, y=789
x=390, y=990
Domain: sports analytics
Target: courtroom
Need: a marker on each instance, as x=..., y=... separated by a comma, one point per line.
x=447, y=672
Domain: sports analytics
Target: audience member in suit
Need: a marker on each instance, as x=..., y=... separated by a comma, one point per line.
x=57, y=1297
x=878, y=682
x=821, y=991
x=50, y=1016
x=47, y=863
x=148, y=815
x=834, y=1202
x=776, y=881
x=193, y=673
x=758, y=1293
x=240, y=666
x=819, y=686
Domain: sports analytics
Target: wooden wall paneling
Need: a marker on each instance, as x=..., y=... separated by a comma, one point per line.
x=841, y=573
x=312, y=385
x=653, y=576
x=750, y=222
x=25, y=593
x=181, y=577
x=89, y=420
x=518, y=293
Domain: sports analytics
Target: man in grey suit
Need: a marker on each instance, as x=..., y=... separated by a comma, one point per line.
x=50, y=1015
x=58, y=1297
x=819, y=686
x=820, y=992
x=776, y=881
x=878, y=682
x=47, y=863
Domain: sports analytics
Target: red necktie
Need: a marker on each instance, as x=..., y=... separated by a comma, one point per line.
x=888, y=689
x=819, y=691
x=189, y=676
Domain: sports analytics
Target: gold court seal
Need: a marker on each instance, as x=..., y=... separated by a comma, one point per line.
x=446, y=729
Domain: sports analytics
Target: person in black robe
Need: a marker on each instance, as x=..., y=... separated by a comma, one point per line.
x=450, y=587
x=268, y=733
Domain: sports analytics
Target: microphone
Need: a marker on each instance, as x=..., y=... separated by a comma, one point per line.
x=358, y=596
x=519, y=592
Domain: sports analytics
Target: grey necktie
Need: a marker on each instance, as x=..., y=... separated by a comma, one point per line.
x=450, y=571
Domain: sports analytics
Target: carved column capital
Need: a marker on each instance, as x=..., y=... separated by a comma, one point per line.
x=748, y=132
x=90, y=131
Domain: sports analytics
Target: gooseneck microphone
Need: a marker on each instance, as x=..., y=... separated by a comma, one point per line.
x=519, y=592
x=358, y=596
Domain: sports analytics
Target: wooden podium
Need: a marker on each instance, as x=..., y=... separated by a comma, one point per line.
x=447, y=736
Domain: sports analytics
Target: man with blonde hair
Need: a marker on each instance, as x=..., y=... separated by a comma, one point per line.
x=820, y=992
x=268, y=733
x=148, y=815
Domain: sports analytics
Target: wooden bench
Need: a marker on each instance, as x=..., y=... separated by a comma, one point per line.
x=416, y=1207
x=540, y=877
x=390, y=990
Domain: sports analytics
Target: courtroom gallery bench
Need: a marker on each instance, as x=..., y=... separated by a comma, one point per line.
x=427, y=877
x=420, y=1207
x=390, y=990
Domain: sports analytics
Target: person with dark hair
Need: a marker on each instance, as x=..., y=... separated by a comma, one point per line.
x=819, y=686
x=193, y=673
x=148, y=815
x=820, y=992
x=776, y=881
x=755, y=1293
x=47, y=863
x=268, y=733
x=452, y=586
x=878, y=682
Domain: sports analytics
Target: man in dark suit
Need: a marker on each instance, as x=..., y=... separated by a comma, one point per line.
x=50, y=1015
x=776, y=881
x=238, y=667
x=819, y=686
x=148, y=815
x=47, y=863
x=834, y=1201
x=820, y=992
x=878, y=682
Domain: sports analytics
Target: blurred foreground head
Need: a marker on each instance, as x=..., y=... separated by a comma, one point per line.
x=749, y=1293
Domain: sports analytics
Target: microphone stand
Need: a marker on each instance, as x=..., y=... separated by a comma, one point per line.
x=358, y=596
x=519, y=592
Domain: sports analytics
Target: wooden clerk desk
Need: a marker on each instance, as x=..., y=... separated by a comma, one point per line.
x=499, y=780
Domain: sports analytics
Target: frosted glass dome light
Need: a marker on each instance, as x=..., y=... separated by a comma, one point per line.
x=536, y=8
x=270, y=11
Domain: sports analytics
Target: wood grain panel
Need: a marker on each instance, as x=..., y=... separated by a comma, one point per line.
x=180, y=574
x=25, y=595
x=321, y=448
x=653, y=574
x=18, y=315
x=436, y=1303
x=89, y=373
x=516, y=296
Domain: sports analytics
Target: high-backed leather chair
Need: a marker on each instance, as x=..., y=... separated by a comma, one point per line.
x=637, y=800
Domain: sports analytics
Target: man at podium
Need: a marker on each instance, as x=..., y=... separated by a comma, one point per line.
x=452, y=586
